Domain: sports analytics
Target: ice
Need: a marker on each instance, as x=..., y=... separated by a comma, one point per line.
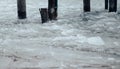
x=65, y=38
x=76, y=40
x=82, y=38
x=111, y=59
x=1, y=40
x=116, y=43
x=4, y=62
x=96, y=41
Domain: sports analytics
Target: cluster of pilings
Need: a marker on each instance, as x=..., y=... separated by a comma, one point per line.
x=50, y=13
x=110, y=5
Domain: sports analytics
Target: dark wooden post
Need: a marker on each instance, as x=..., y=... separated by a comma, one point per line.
x=52, y=9
x=106, y=4
x=112, y=5
x=44, y=14
x=21, y=5
x=86, y=4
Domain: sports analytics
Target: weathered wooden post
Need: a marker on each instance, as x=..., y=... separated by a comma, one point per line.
x=112, y=5
x=44, y=14
x=21, y=5
x=52, y=9
x=106, y=4
x=86, y=4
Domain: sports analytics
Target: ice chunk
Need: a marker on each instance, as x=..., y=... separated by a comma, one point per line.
x=4, y=62
x=1, y=40
x=82, y=39
x=65, y=38
x=95, y=40
x=116, y=43
x=67, y=32
x=111, y=59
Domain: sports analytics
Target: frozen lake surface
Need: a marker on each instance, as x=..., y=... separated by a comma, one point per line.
x=77, y=40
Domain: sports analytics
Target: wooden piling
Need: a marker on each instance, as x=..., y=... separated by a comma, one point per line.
x=21, y=6
x=44, y=14
x=112, y=5
x=86, y=4
x=52, y=9
x=106, y=4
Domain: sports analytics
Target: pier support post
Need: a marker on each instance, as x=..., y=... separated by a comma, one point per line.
x=112, y=5
x=86, y=4
x=52, y=9
x=44, y=14
x=21, y=9
x=106, y=4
